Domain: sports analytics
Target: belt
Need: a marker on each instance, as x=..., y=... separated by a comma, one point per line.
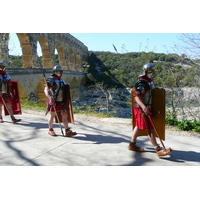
x=148, y=106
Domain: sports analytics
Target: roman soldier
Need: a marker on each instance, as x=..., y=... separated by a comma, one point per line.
x=59, y=103
x=143, y=112
x=7, y=97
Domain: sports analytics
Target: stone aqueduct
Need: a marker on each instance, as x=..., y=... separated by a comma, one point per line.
x=71, y=54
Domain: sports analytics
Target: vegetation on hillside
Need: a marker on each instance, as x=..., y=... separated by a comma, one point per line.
x=171, y=69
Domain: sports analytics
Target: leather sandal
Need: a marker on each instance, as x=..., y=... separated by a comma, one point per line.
x=159, y=148
x=51, y=132
x=133, y=147
x=164, y=152
x=69, y=133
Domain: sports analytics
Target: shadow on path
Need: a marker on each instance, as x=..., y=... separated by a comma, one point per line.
x=183, y=156
x=99, y=139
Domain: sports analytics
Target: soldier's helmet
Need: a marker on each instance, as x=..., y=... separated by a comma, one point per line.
x=58, y=70
x=149, y=69
x=2, y=66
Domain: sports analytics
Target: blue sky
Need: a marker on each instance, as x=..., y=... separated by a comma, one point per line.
x=124, y=42
x=131, y=42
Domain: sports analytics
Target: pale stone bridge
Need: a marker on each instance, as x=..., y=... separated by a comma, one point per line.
x=71, y=55
x=32, y=81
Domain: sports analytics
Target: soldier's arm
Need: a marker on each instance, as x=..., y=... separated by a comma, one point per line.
x=46, y=91
x=142, y=105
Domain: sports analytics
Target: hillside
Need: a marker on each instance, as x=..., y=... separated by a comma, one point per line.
x=123, y=69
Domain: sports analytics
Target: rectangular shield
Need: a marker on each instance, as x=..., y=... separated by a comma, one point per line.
x=68, y=104
x=16, y=106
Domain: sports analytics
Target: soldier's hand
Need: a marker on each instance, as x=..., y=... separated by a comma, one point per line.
x=146, y=110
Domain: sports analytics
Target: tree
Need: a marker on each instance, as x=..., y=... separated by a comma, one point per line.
x=191, y=45
x=100, y=87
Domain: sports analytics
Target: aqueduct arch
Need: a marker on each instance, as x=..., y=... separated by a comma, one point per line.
x=71, y=55
x=71, y=52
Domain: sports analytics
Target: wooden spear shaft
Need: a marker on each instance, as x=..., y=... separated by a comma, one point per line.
x=156, y=131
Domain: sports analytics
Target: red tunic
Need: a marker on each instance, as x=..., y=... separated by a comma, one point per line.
x=139, y=118
x=57, y=106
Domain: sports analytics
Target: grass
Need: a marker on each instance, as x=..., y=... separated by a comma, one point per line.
x=36, y=106
x=92, y=113
x=33, y=106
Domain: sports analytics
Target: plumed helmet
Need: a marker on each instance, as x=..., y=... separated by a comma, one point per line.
x=2, y=66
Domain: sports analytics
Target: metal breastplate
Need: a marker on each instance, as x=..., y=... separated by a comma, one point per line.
x=148, y=95
x=148, y=98
x=57, y=90
x=4, y=87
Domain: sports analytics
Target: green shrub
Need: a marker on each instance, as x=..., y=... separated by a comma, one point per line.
x=196, y=126
x=172, y=122
x=186, y=125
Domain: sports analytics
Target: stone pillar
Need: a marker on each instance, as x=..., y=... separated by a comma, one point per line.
x=27, y=61
x=47, y=62
x=66, y=60
x=4, y=51
x=33, y=43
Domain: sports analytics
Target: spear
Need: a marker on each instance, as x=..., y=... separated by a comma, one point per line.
x=119, y=56
x=121, y=61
